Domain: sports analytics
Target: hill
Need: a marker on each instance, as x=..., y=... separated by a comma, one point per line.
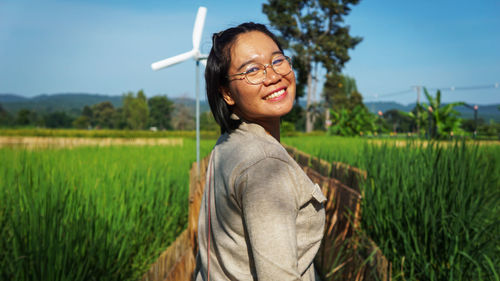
x=70, y=103
x=73, y=103
x=485, y=111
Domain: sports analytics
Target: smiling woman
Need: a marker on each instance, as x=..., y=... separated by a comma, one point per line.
x=260, y=96
x=261, y=217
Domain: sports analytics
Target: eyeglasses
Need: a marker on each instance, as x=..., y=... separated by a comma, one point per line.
x=256, y=73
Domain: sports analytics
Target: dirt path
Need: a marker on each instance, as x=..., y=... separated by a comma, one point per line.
x=61, y=142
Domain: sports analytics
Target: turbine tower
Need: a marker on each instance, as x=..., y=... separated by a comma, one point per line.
x=198, y=57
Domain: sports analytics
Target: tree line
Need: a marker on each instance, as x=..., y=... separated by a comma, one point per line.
x=348, y=116
x=136, y=113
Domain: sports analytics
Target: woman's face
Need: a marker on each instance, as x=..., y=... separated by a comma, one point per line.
x=268, y=100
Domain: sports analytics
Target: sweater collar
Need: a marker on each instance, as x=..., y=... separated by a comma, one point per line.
x=253, y=128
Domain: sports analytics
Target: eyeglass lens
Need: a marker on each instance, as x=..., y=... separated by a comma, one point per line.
x=256, y=73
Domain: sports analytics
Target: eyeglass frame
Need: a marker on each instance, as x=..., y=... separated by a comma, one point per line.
x=287, y=58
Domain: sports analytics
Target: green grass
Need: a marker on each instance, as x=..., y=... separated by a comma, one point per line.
x=91, y=213
x=330, y=148
x=433, y=210
x=105, y=213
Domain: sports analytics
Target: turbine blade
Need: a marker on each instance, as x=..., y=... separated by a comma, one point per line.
x=198, y=27
x=173, y=60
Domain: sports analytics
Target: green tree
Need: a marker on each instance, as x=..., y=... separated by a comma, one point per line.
x=5, y=117
x=86, y=119
x=118, y=119
x=26, y=117
x=418, y=117
x=87, y=111
x=440, y=121
x=102, y=114
x=287, y=129
x=296, y=116
x=316, y=112
x=358, y=121
x=469, y=125
x=315, y=32
x=81, y=122
x=207, y=122
x=160, y=112
x=135, y=110
x=341, y=91
x=58, y=119
x=445, y=119
x=490, y=129
x=398, y=121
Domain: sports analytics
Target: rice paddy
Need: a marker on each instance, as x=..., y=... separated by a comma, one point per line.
x=86, y=209
x=433, y=209
x=91, y=213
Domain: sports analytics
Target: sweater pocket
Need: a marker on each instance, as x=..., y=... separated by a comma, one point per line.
x=318, y=194
x=311, y=219
x=315, y=203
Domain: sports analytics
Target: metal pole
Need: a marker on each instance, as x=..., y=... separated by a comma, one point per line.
x=197, y=118
x=418, y=111
x=475, y=120
x=430, y=125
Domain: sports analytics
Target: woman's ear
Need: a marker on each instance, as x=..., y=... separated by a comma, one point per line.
x=228, y=98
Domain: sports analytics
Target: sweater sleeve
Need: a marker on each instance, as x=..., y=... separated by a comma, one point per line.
x=269, y=206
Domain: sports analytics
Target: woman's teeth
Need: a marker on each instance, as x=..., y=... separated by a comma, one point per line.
x=275, y=95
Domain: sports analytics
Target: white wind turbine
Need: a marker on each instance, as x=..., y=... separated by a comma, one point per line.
x=197, y=56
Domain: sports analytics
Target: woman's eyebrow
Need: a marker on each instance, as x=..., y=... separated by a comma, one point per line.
x=245, y=63
x=253, y=60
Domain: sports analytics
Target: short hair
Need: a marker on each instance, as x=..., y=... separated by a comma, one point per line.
x=218, y=63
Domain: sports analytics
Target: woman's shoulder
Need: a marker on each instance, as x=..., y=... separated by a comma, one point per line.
x=251, y=147
x=243, y=156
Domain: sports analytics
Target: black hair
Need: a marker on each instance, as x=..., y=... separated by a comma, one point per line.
x=218, y=63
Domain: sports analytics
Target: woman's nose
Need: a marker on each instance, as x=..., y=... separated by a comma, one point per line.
x=271, y=76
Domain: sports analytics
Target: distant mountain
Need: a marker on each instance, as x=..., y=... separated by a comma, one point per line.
x=486, y=112
x=8, y=98
x=374, y=107
x=74, y=103
x=71, y=103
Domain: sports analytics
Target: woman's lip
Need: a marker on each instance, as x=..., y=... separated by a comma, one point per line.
x=277, y=90
x=280, y=97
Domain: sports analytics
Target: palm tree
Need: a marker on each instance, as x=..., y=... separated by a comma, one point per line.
x=441, y=121
x=446, y=120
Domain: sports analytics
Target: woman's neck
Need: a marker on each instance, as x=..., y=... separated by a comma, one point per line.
x=271, y=125
x=272, y=128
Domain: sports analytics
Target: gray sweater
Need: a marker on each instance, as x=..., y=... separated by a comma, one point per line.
x=267, y=217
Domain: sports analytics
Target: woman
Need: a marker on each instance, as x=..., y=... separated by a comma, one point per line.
x=261, y=217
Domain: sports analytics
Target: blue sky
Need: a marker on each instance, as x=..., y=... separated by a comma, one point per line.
x=107, y=46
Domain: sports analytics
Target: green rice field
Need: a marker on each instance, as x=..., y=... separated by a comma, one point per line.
x=432, y=208
x=106, y=213
x=91, y=213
